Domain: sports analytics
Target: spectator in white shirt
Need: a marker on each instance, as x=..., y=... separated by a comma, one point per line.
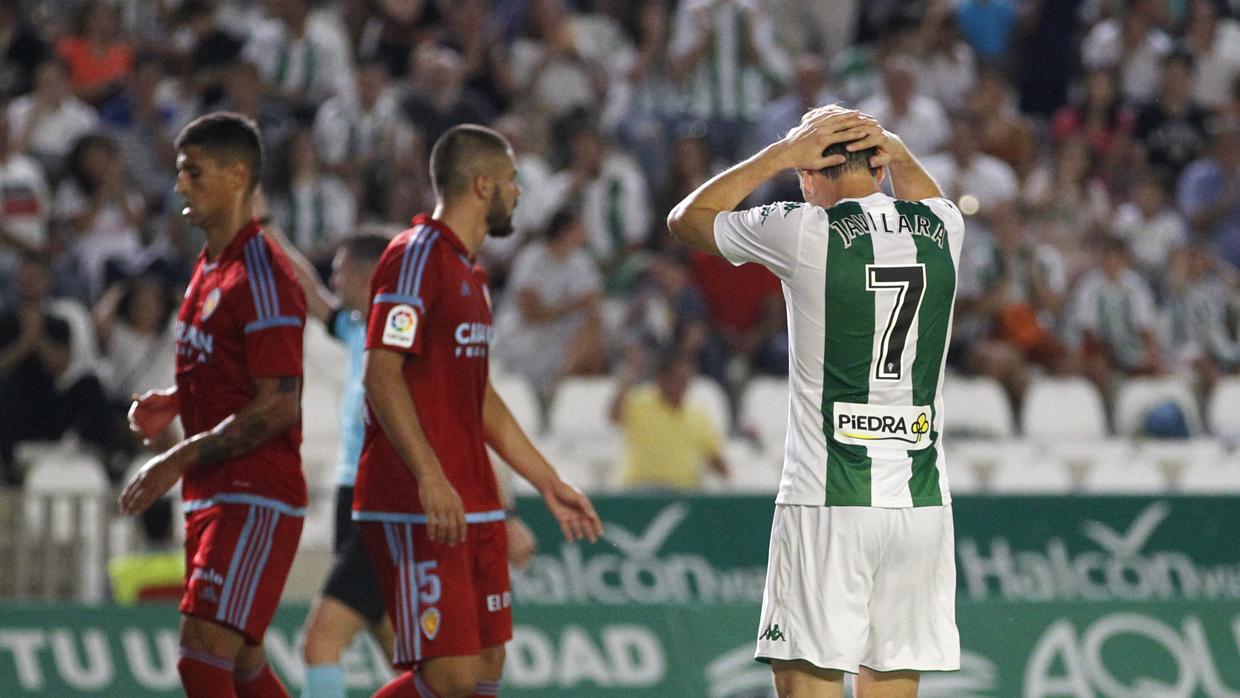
x=1215, y=44
x=550, y=321
x=1152, y=227
x=918, y=119
x=1131, y=43
x=963, y=170
x=47, y=122
x=23, y=203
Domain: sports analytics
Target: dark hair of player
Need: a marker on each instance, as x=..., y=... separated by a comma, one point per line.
x=460, y=154
x=365, y=246
x=854, y=161
x=228, y=137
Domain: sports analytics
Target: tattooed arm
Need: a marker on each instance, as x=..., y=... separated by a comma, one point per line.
x=276, y=407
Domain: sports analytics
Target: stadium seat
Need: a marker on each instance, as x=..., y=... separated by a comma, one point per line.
x=1174, y=457
x=521, y=400
x=1129, y=476
x=978, y=460
x=1223, y=412
x=708, y=395
x=1079, y=457
x=764, y=407
x=962, y=479
x=1038, y=475
x=1055, y=408
x=977, y=407
x=580, y=432
x=751, y=471
x=1136, y=396
x=1203, y=477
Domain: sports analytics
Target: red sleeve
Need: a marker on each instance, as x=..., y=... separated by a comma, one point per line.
x=402, y=293
x=273, y=312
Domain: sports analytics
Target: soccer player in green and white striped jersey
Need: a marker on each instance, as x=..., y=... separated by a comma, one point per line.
x=861, y=576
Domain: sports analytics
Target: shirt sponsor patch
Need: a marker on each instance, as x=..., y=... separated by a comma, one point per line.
x=903, y=427
x=400, y=327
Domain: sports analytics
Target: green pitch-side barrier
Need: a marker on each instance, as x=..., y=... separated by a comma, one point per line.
x=1076, y=596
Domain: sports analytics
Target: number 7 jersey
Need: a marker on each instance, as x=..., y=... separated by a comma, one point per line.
x=869, y=286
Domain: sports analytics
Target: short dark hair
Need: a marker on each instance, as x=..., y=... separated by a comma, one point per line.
x=226, y=136
x=456, y=154
x=365, y=246
x=853, y=160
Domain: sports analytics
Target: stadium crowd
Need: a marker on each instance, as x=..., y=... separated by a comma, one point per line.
x=1093, y=144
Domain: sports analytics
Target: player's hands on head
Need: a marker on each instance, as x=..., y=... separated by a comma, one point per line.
x=873, y=135
x=150, y=483
x=152, y=412
x=445, y=514
x=819, y=129
x=521, y=543
x=573, y=511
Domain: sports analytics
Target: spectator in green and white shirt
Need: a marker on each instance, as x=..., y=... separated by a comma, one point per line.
x=1205, y=317
x=1114, y=313
x=729, y=61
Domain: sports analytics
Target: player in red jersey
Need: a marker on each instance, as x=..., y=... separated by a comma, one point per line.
x=238, y=394
x=426, y=498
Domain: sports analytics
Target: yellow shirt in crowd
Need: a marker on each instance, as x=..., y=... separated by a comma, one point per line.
x=665, y=446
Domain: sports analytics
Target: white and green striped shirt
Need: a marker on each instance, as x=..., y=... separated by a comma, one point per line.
x=870, y=286
x=726, y=84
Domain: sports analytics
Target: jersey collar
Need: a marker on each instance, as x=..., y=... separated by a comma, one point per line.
x=445, y=233
x=234, y=248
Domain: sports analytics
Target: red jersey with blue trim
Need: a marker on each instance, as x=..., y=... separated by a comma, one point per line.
x=429, y=301
x=241, y=319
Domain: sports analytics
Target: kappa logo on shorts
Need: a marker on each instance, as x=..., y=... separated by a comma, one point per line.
x=208, y=594
x=773, y=633
x=430, y=622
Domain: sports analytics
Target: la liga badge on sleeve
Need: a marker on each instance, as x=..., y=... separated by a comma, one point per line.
x=400, y=326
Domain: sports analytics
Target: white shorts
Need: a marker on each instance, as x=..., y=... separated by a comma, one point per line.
x=861, y=586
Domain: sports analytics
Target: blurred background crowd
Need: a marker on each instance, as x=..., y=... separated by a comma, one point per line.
x=1094, y=146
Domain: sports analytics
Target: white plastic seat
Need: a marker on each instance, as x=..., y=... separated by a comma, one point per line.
x=1136, y=396
x=764, y=407
x=706, y=394
x=1055, y=408
x=1223, y=411
x=750, y=471
x=1174, y=456
x=1131, y=476
x=521, y=400
x=1203, y=477
x=979, y=460
x=580, y=430
x=977, y=407
x=1078, y=457
x=1036, y=476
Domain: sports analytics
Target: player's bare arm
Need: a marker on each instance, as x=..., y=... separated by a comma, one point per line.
x=276, y=407
x=909, y=180
x=692, y=221
x=568, y=505
x=389, y=398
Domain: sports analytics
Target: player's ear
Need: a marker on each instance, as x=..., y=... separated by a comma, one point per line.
x=880, y=174
x=483, y=184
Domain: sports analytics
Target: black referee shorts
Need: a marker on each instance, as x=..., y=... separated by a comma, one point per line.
x=352, y=580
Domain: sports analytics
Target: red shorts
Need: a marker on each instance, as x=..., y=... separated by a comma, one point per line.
x=237, y=558
x=444, y=601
